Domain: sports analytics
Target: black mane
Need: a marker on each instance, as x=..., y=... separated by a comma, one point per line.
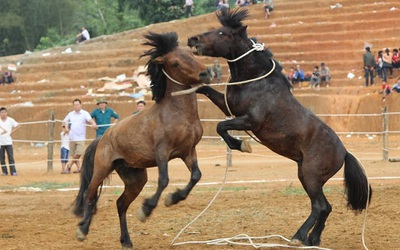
x=234, y=18
x=162, y=44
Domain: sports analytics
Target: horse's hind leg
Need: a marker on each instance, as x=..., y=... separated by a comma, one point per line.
x=324, y=210
x=90, y=204
x=134, y=180
x=320, y=210
x=181, y=194
x=150, y=203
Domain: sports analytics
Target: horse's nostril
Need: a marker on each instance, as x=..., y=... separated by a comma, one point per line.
x=192, y=40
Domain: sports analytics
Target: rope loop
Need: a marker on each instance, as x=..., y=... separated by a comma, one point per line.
x=256, y=46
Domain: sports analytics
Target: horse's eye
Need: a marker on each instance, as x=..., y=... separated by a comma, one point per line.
x=175, y=64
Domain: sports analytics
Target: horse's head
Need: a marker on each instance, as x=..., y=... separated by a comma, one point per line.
x=167, y=60
x=225, y=41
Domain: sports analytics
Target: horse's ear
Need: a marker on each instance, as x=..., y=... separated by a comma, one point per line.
x=158, y=60
x=241, y=31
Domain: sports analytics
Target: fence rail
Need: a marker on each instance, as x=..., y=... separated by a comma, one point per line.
x=383, y=135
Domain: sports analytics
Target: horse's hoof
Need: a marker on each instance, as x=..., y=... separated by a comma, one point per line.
x=296, y=242
x=127, y=248
x=80, y=235
x=245, y=147
x=141, y=215
x=168, y=200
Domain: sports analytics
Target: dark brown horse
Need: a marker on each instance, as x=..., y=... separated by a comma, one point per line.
x=169, y=129
x=266, y=107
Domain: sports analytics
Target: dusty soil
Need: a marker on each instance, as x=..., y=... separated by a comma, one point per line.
x=262, y=196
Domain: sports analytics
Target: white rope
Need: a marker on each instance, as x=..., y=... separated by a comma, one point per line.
x=366, y=208
x=182, y=92
x=205, y=209
x=256, y=46
x=172, y=79
x=232, y=240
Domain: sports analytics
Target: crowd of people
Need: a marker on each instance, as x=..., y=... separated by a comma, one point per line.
x=382, y=66
x=296, y=75
x=73, y=134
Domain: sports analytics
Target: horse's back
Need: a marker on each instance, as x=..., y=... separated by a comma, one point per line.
x=143, y=138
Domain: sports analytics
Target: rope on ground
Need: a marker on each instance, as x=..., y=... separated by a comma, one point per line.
x=233, y=240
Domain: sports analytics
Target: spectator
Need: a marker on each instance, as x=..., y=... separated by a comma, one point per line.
x=379, y=64
x=386, y=90
x=241, y=3
x=268, y=7
x=221, y=4
x=217, y=70
x=9, y=125
x=315, y=78
x=298, y=76
x=387, y=64
x=140, y=106
x=3, y=131
x=290, y=74
x=324, y=74
x=396, y=86
x=188, y=8
x=77, y=133
x=83, y=36
x=396, y=59
x=102, y=117
x=7, y=77
x=64, y=151
x=369, y=65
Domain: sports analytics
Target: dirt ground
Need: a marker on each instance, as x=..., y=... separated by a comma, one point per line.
x=261, y=197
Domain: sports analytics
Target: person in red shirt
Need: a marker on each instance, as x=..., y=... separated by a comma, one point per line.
x=396, y=59
x=386, y=90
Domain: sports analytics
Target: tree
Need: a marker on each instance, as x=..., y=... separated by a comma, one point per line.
x=40, y=24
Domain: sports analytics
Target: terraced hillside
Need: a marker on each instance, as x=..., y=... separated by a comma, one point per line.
x=304, y=32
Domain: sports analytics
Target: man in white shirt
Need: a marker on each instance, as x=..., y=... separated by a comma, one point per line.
x=9, y=125
x=83, y=36
x=77, y=120
x=188, y=6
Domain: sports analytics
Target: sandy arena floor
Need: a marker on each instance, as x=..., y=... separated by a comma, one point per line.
x=262, y=196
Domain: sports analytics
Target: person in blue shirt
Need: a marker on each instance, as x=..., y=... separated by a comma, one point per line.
x=298, y=76
x=102, y=116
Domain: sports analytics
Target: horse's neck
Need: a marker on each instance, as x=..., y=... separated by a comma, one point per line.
x=246, y=67
x=186, y=103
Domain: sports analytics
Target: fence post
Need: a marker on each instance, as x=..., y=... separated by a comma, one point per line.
x=50, y=145
x=385, y=140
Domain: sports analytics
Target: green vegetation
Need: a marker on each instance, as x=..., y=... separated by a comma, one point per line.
x=42, y=185
x=291, y=190
x=41, y=24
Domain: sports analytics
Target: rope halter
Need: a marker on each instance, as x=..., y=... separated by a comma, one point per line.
x=256, y=46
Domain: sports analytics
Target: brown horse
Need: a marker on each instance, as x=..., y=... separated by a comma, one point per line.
x=170, y=129
x=267, y=107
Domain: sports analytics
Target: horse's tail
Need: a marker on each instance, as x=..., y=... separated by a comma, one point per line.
x=358, y=190
x=86, y=176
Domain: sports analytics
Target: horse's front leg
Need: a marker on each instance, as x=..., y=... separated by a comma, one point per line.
x=181, y=194
x=150, y=203
x=238, y=123
x=216, y=97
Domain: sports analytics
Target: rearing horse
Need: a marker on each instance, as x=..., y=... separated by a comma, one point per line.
x=267, y=107
x=169, y=129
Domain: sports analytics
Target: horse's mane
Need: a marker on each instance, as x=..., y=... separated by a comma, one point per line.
x=162, y=44
x=232, y=18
